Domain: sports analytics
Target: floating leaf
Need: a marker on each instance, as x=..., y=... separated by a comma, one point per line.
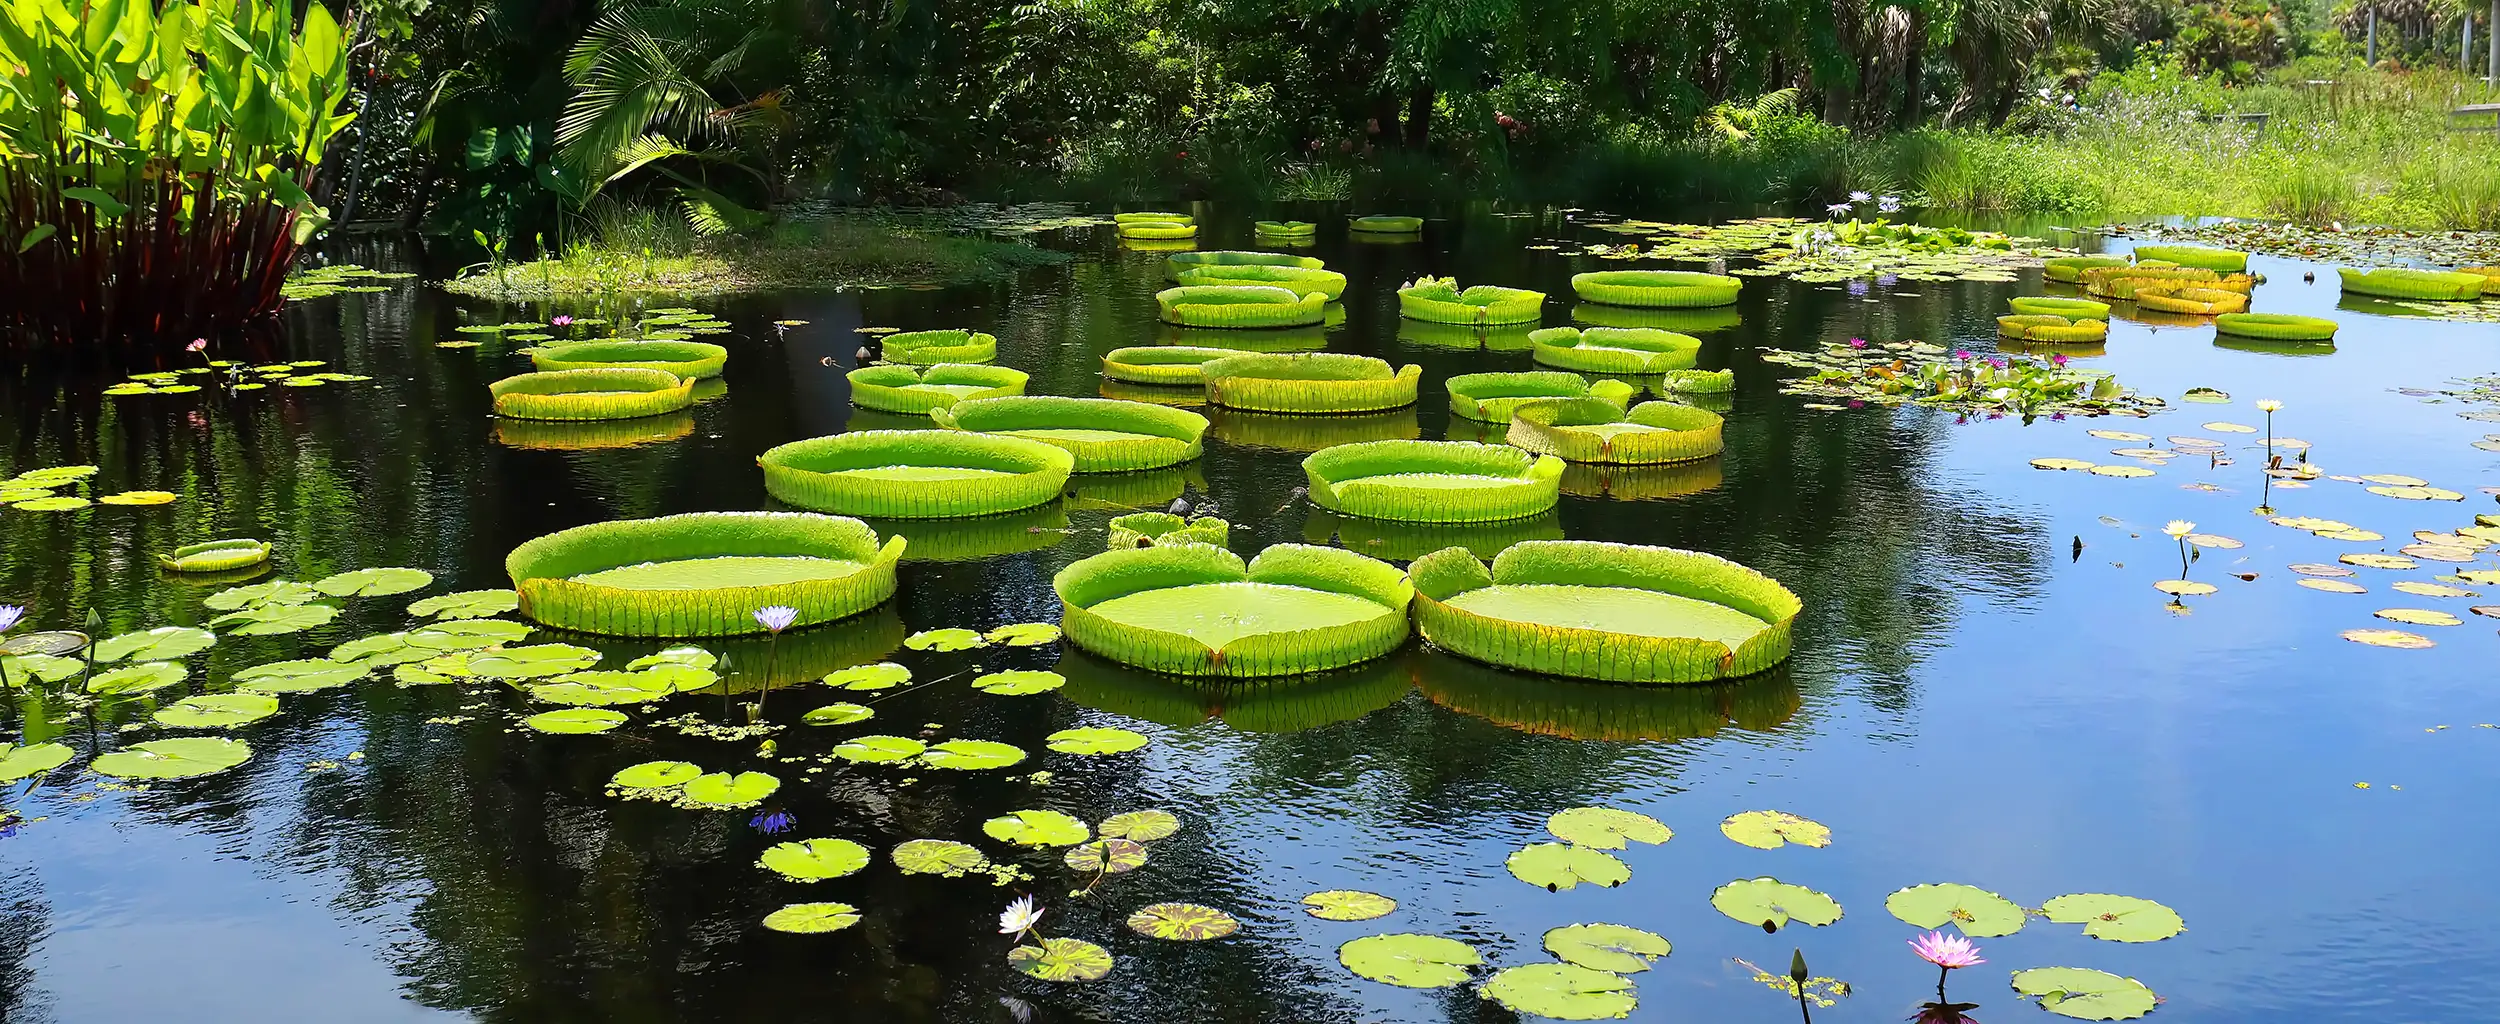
x=2421, y=589
x=882, y=675
x=144, y=677
x=467, y=604
x=1107, y=856
x=46, y=667
x=2335, y=586
x=60, y=503
x=1560, y=991
x=1771, y=904
x=536, y=661
x=1095, y=740
x=1409, y=960
x=379, y=650
x=2320, y=569
x=603, y=689
x=1143, y=826
x=687, y=657
x=1347, y=905
x=938, y=857
x=839, y=713
x=1024, y=634
x=2054, y=463
x=1036, y=828
x=2213, y=541
x=277, y=619
x=2086, y=994
x=1606, y=828
x=812, y=918
x=1616, y=948
x=1556, y=867
x=944, y=640
x=373, y=582
x=29, y=760
x=2121, y=471
x=1020, y=682
x=2116, y=918
x=2375, y=561
x=2119, y=435
x=723, y=791
x=298, y=676
x=1061, y=959
x=1973, y=910
x=2439, y=552
x=178, y=758
x=2418, y=617
x=879, y=749
x=2183, y=588
x=2211, y=396
x=814, y=860
x=163, y=643
x=1182, y=922
x=1770, y=830
x=972, y=755
x=466, y=634
x=574, y=721
x=2396, y=638
x=217, y=711
x=656, y=775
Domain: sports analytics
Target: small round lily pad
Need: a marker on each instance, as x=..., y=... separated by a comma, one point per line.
x=879, y=749
x=883, y=675
x=1557, y=866
x=944, y=640
x=1771, y=904
x=1606, y=828
x=1409, y=960
x=723, y=791
x=1095, y=740
x=575, y=721
x=1615, y=948
x=1023, y=634
x=1143, y=826
x=812, y=918
x=2116, y=918
x=814, y=860
x=1770, y=830
x=656, y=775
x=1975, y=911
x=938, y=857
x=217, y=711
x=2086, y=994
x=1061, y=959
x=1106, y=856
x=1347, y=905
x=971, y=755
x=1037, y=828
x=1182, y=922
x=179, y=758
x=373, y=582
x=1019, y=682
x=1560, y=991
x=839, y=713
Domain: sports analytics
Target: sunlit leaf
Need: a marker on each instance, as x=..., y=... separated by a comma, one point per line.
x=1024, y=634
x=882, y=675
x=144, y=677
x=1018, y=683
x=1143, y=826
x=1347, y=905
x=1615, y=948
x=1107, y=856
x=373, y=582
x=814, y=860
x=1973, y=910
x=276, y=619
x=839, y=713
x=1061, y=959
x=50, y=668
x=536, y=661
x=812, y=918
x=1606, y=828
x=938, y=857
x=1770, y=904
x=1770, y=830
x=466, y=634
x=689, y=657
x=466, y=604
x=602, y=689
x=2418, y=617
x=2396, y=638
x=944, y=640
x=574, y=721
x=179, y=758
x=1095, y=740
x=302, y=676
x=1182, y=922
x=971, y=755
x=1560, y=991
x=163, y=643
x=1556, y=866
x=879, y=749
x=2116, y=918
x=217, y=711
x=1036, y=828
x=25, y=761
x=2086, y=994
x=656, y=775
x=1409, y=960
x=723, y=791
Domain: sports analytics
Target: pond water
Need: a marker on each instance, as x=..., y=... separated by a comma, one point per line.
x=1973, y=698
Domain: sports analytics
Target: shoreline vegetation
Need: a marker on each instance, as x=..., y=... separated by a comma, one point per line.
x=660, y=257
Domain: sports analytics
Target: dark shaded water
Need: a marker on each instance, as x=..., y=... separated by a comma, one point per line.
x=1968, y=701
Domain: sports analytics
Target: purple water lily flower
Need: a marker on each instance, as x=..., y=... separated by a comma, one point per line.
x=777, y=617
x=10, y=614
x=773, y=823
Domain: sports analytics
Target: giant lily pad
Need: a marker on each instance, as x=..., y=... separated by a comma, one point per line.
x=1107, y=856
x=880, y=676
x=1771, y=904
x=1770, y=830
x=656, y=775
x=1409, y=960
x=1061, y=959
x=373, y=582
x=2086, y=994
x=1976, y=911
x=812, y=918
x=301, y=676
x=814, y=860
x=2116, y=918
x=1142, y=826
x=1560, y=991
x=466, y=604
x=144, y=677
x=1095, y=740
x=29, y=760
x=536, y=661
x=1037, y=828
x=1182, y=922
x=1347, y=905
x=163, y=643
x=1606, y=828
x=178, y=758
x=575, y=721
x=1616, y=948
x=938, y=857
x=879, y=749
x=276, y=619
x=1557, y=866
x=217, y=711
x=971, y=755
x=1020, y=682
x=723, y=791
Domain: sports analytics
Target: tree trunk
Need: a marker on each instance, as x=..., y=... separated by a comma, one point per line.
x=2004, y=107
x=2491, y=28
x=1913, y=71
x=1418, y=116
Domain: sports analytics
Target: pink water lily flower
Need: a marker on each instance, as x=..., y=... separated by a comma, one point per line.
x=1857, y=343
x=196, y=345
x=1947, y=951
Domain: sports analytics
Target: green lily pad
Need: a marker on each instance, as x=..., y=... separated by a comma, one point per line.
x=466, y=604
x=1182, y=922
x=575, y=721
x=50, y=668
x=1036, y=828
x=1409, y=960
x=603, y=689
x=1107, y=856
x=1620, y=949
x=1606, y=828
x=1770, y=830
x=374, y=582
x=536, y=661
x=163, y=643
x=1023, y=634
x=1143, y=826
x=2086, y=994
x=1347, y=905
x=814, y=860
x=690, y=657
x=1771, y=904
x=883, y=675
x=217, y=711
x=2116, y=918
x=812, y=918
x=1975, y=911
x=276, y=619
x=971, y=755
x=56, y=503
x=1556, y=867
x=1019, y=683
x=943, y=857
x=656, y=775
x=144, y=677
x=301, y=676
x=466, y=634
x=272, y=592
x=1560, y=991
x=1061, y=959
x=723, y=791
x=29, y=760
x=380, y=650
x=944, y=640
x=676, y=678
x=879, y=749
x=1095, y=740
x=839, y=713
x=179, y=758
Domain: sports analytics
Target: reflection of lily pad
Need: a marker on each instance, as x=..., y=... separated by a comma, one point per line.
x=1770, y=830
x=467, y=604
x=2086, y=994
x=1347, y=905
x=1560, y=991
x=1061, y=959
x=1606, y=828
x=575, y=721
x=1557, y=867
x=1182, y=922
x=373, y=582
x=723, y=791
x=27, y=761
x=1143, y=826
x=2116, y=918
x=972, y=755
x=179, y=758
x=1772, y=904
x=302, y=676
x=144, y=677
x=814, y=860
x=839, y=713
x=1036, y=828
x=1974, y=910
x=943, y=640
x=879, y=676
x=1107, y=856
x=217, y=711
x=1095, y=740
x=1615, y=948
x=163, y=643
x=1019, y=682
x=812, y=918
x=656, y=775
x=938, y=857
x=1024, y=634
x=1412, y=961
x=879, y=749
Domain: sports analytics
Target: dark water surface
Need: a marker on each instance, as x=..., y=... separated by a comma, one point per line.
x=1969, y=701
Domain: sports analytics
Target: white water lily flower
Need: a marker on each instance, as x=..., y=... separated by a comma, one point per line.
x=2179, y=528
x=1019, y=917
x=1860, y=197
x=1836, y=209
x=2268, y=405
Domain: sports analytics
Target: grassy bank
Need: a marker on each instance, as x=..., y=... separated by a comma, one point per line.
x=657, y=254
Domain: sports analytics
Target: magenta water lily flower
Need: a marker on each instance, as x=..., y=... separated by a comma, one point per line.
x=1961, y=355
x=196, y=345
x=1950, y=952
x=1857, y=343
x=777, y=618
x=2059, y=358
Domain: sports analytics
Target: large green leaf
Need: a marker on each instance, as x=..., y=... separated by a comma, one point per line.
x=276, y=619
x=839, y=713
x=1560, y=991
x=1061, y=959
x=2116, y=918
x=163, y=643
x=298, y=676
x=883, y=675
x=575, y=721
x=812, y=918
x=1182, y=922
x=1019, y=682
x=602, y=689
x=1770, y=830
x=217, y=711
x=814, y=860
x=1409, y=960
x=1106, y=856
x=2086, y=994
x=1557, y=867
x=271, y=592
x=1771, y=904
x=653, y=775
x=1973, y=910
x=1620, y=949
x=144, y=677
x=48, y=668
x=1036, y=828
x=1606, y=828
x=178, y=758
x=938, y=857
x=373, y=582
x=943, y=640
x=466, y=604
x=1095, y=740
x=1347, y=905
x=537, y=661
x=879, y=749
x=723, y=791
x=25, y=761
x=971, y=755
x=1143, y=826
